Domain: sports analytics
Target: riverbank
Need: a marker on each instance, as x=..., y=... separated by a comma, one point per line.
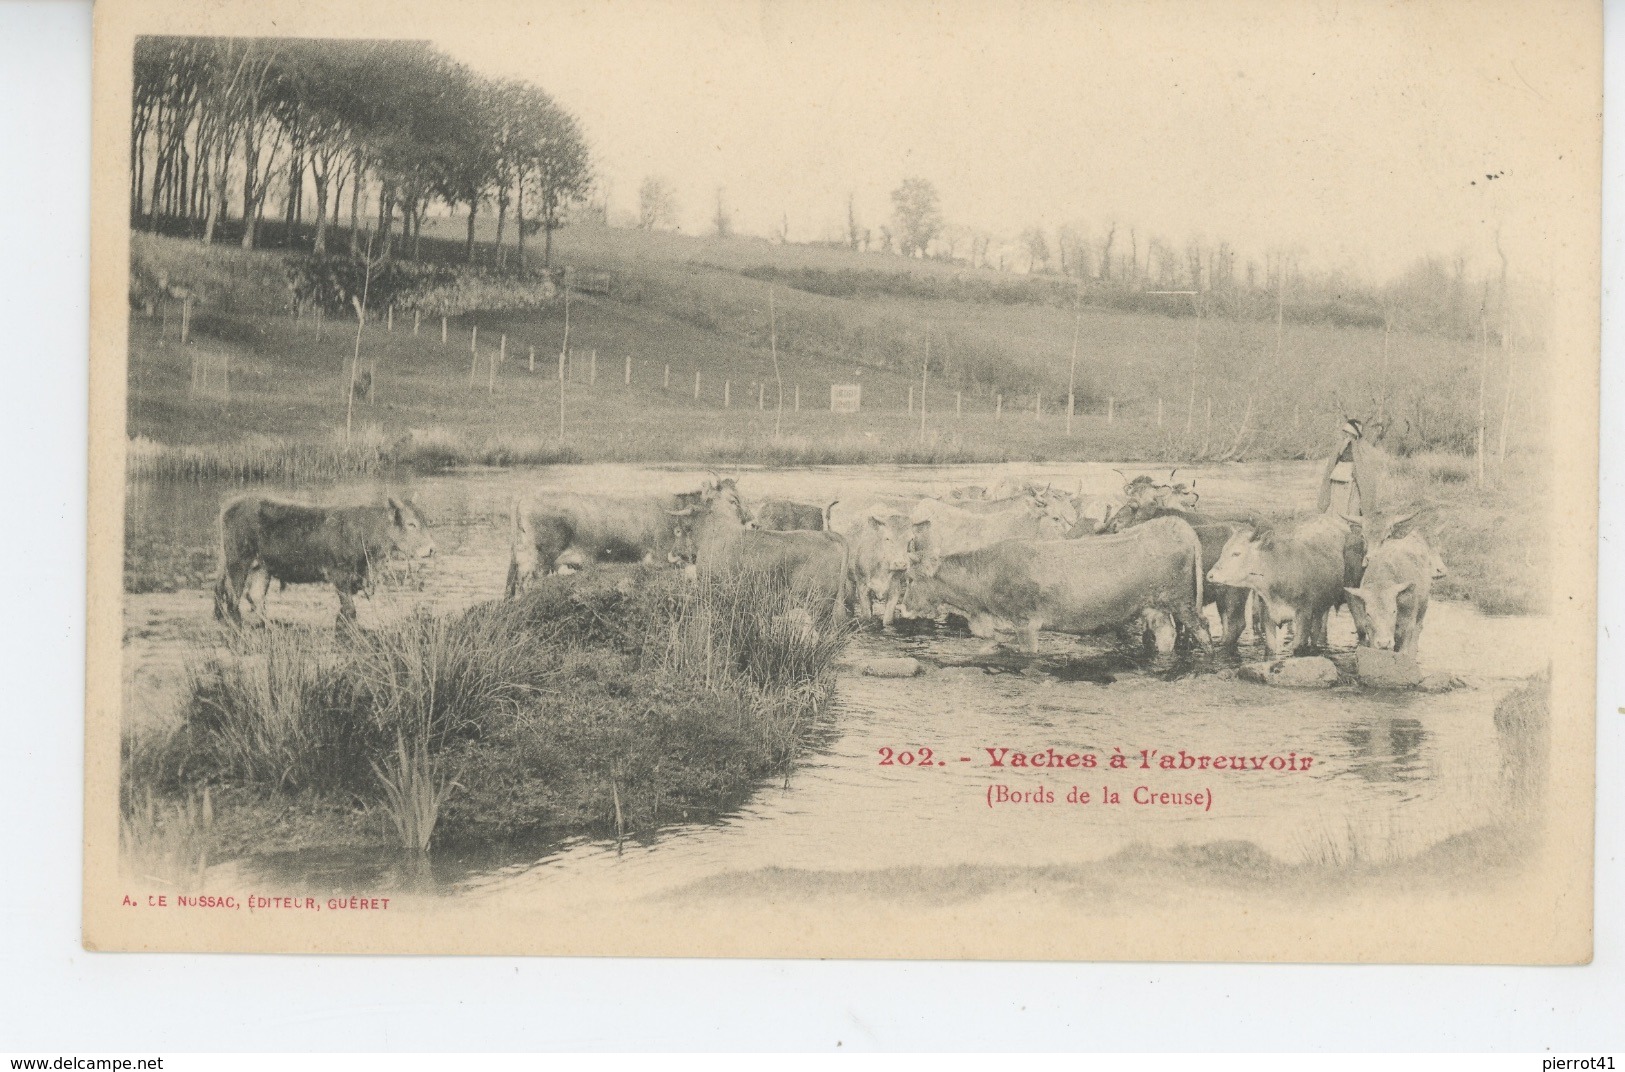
x=609, y=703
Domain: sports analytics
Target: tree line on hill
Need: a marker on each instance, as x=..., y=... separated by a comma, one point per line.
x=220, y=123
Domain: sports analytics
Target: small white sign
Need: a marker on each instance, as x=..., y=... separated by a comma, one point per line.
x=845, y=397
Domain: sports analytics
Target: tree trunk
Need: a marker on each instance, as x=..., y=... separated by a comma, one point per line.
x=547, y=243
x=320, y=177
x=217, y=204
x=356, y=175
x=519, y=219
x=386, y=219
x=473, y=210
x=502, y=223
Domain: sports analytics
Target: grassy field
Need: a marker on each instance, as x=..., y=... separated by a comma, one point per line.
x=509, y=720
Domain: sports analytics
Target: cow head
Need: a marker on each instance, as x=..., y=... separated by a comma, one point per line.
x=684, y=546
x=1375, y=608
x=1055, y=511
x=1377, y=529
x=1241, y=560
x=721, y=494
x=408, y=532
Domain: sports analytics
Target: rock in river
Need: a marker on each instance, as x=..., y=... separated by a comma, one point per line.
x=1378, y=668
x=1306, y=672
x=901, y=667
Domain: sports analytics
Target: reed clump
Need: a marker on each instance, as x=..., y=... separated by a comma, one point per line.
x=611, y=700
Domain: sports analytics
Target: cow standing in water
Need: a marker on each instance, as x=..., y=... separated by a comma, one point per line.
x=571, y=531
x=717, y=540
x=1298, y=571
x=1213, y=533
x=881, y=547
x=1146, y=576
x=1392, y=597
x=263, y=540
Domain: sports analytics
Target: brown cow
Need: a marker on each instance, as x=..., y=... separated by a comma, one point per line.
x=1297, y=570
x=1391, y=600
x=714, y=538
x=787, y=515
x=1071, y=586
x=264, y=540
x=880, y=549
x=1213, y=533
x=577, y=531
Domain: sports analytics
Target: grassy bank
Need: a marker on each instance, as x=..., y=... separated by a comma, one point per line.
x=1495, y=539
x=611, y=703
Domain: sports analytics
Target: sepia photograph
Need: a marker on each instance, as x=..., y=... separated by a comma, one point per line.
x=941, y=480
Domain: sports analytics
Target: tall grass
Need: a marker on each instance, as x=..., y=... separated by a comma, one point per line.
x=634, y=688
x=415, y=786
x=368, y=451
x=167, y=841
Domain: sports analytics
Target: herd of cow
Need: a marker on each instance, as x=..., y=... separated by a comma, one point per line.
x=1143, y=564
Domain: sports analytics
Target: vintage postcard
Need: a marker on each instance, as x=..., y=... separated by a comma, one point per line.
x=814, y=478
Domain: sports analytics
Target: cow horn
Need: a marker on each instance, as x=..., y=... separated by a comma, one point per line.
x=684, y=512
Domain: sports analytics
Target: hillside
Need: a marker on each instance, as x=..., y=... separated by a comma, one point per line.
x=698, y=306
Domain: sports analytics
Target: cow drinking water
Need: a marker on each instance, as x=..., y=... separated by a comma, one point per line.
x=264, y=540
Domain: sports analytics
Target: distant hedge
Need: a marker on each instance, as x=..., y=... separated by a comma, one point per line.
x=333, y=280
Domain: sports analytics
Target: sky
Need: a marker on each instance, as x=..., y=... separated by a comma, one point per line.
x=1358, y=135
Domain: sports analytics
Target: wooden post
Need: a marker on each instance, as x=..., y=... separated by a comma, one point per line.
x=561, y=396
x=533, y=359
x=925, y=371
x=389, y=320
x=1072, y=374
x=592, y=369
x=761, y=396
x=473, y=365
x=798, y=398
x=696, y=385
x=727, y=400
x=1483, y=376
x=473, y=337
x=502, y=351
x=186, y=319
x=442, y=331
x=665, y=383
x=998, y=406
x=417, y=320
x=1111, y=410
x=491, y=377
x=627, y=378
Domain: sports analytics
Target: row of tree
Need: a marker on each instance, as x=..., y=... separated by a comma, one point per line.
x=394, y=123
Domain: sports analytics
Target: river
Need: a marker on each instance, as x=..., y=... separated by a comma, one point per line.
x=1392, y=773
